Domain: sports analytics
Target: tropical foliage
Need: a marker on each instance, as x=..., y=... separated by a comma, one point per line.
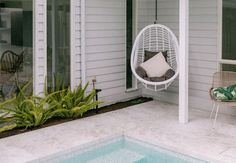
x=225, y=93
x=31, y=111
x=72, y=104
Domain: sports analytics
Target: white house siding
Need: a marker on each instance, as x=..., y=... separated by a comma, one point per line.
x=146, y=13
x=106, y=48
x=203, y=49
x=39, y=46
x=75, y=42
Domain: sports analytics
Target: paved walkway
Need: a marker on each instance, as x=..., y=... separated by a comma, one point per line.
x=153, y=122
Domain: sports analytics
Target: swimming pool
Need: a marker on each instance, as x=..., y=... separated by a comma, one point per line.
x=120, y=150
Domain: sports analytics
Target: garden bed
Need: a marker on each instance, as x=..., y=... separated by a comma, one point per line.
x=57, y=121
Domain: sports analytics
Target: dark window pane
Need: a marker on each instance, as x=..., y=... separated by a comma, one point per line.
x=16, y=40
x=227, y=67
x=229, y=30
x=129, y=42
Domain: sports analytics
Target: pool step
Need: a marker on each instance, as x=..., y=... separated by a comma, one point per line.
x=120, y=156
x=142, y=160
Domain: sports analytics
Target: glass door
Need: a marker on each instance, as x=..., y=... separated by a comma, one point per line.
x=16, y=40
x=58, y=46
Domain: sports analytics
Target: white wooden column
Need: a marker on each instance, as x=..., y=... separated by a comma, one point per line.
x=73, y=5
x=83, y=42
x=39, y=45
x=77, y=43
x=183, y=60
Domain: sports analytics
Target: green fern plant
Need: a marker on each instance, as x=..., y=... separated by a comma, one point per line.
x=26, y=112
x=73, y=103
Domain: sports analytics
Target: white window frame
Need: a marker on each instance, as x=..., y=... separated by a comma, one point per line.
x=39, y=48
x=220, y=37
x=135, y=30
x=73, y=64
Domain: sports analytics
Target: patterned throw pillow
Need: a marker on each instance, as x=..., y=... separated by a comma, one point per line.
x=225, y=93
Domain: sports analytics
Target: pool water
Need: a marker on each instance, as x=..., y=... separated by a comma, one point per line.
x=121, y=150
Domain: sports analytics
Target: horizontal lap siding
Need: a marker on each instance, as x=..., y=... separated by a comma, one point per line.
x=106, y=48
x=203, y=48
x=146, y=14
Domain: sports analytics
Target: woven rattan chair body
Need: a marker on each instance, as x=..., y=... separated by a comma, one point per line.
x=155, y=37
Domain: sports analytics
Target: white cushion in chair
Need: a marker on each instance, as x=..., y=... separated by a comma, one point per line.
x=156, y=66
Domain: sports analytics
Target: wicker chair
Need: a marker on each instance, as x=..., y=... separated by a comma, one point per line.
x=156, y=38
x=221, y=79
x=10, y=64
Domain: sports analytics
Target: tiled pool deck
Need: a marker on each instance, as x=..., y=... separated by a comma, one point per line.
x=153, y=122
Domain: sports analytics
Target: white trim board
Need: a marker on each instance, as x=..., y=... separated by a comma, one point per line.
x=39, y=46
x=72, y=44
x=76, y=38
x=183, y=60
x=83, y=42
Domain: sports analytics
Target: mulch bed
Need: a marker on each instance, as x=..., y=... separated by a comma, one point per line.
x=105, y=109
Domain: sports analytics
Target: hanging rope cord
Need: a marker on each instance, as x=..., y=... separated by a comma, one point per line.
x=155, y=37
x=155, y=21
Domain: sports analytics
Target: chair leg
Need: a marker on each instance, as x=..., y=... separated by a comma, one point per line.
x=213, y=109
x=217, y=111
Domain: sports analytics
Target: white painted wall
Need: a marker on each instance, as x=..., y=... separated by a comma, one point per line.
x=106, y=48
x=146, y=13
x=203, y=49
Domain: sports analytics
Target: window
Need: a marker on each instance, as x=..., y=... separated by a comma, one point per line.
x=58, y=44
x=16, y=40
x=228, y=57
x=131, y=82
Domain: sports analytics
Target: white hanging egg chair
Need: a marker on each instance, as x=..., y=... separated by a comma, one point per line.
x=155, y=38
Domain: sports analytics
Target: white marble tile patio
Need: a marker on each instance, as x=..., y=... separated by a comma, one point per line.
x=153, y=122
